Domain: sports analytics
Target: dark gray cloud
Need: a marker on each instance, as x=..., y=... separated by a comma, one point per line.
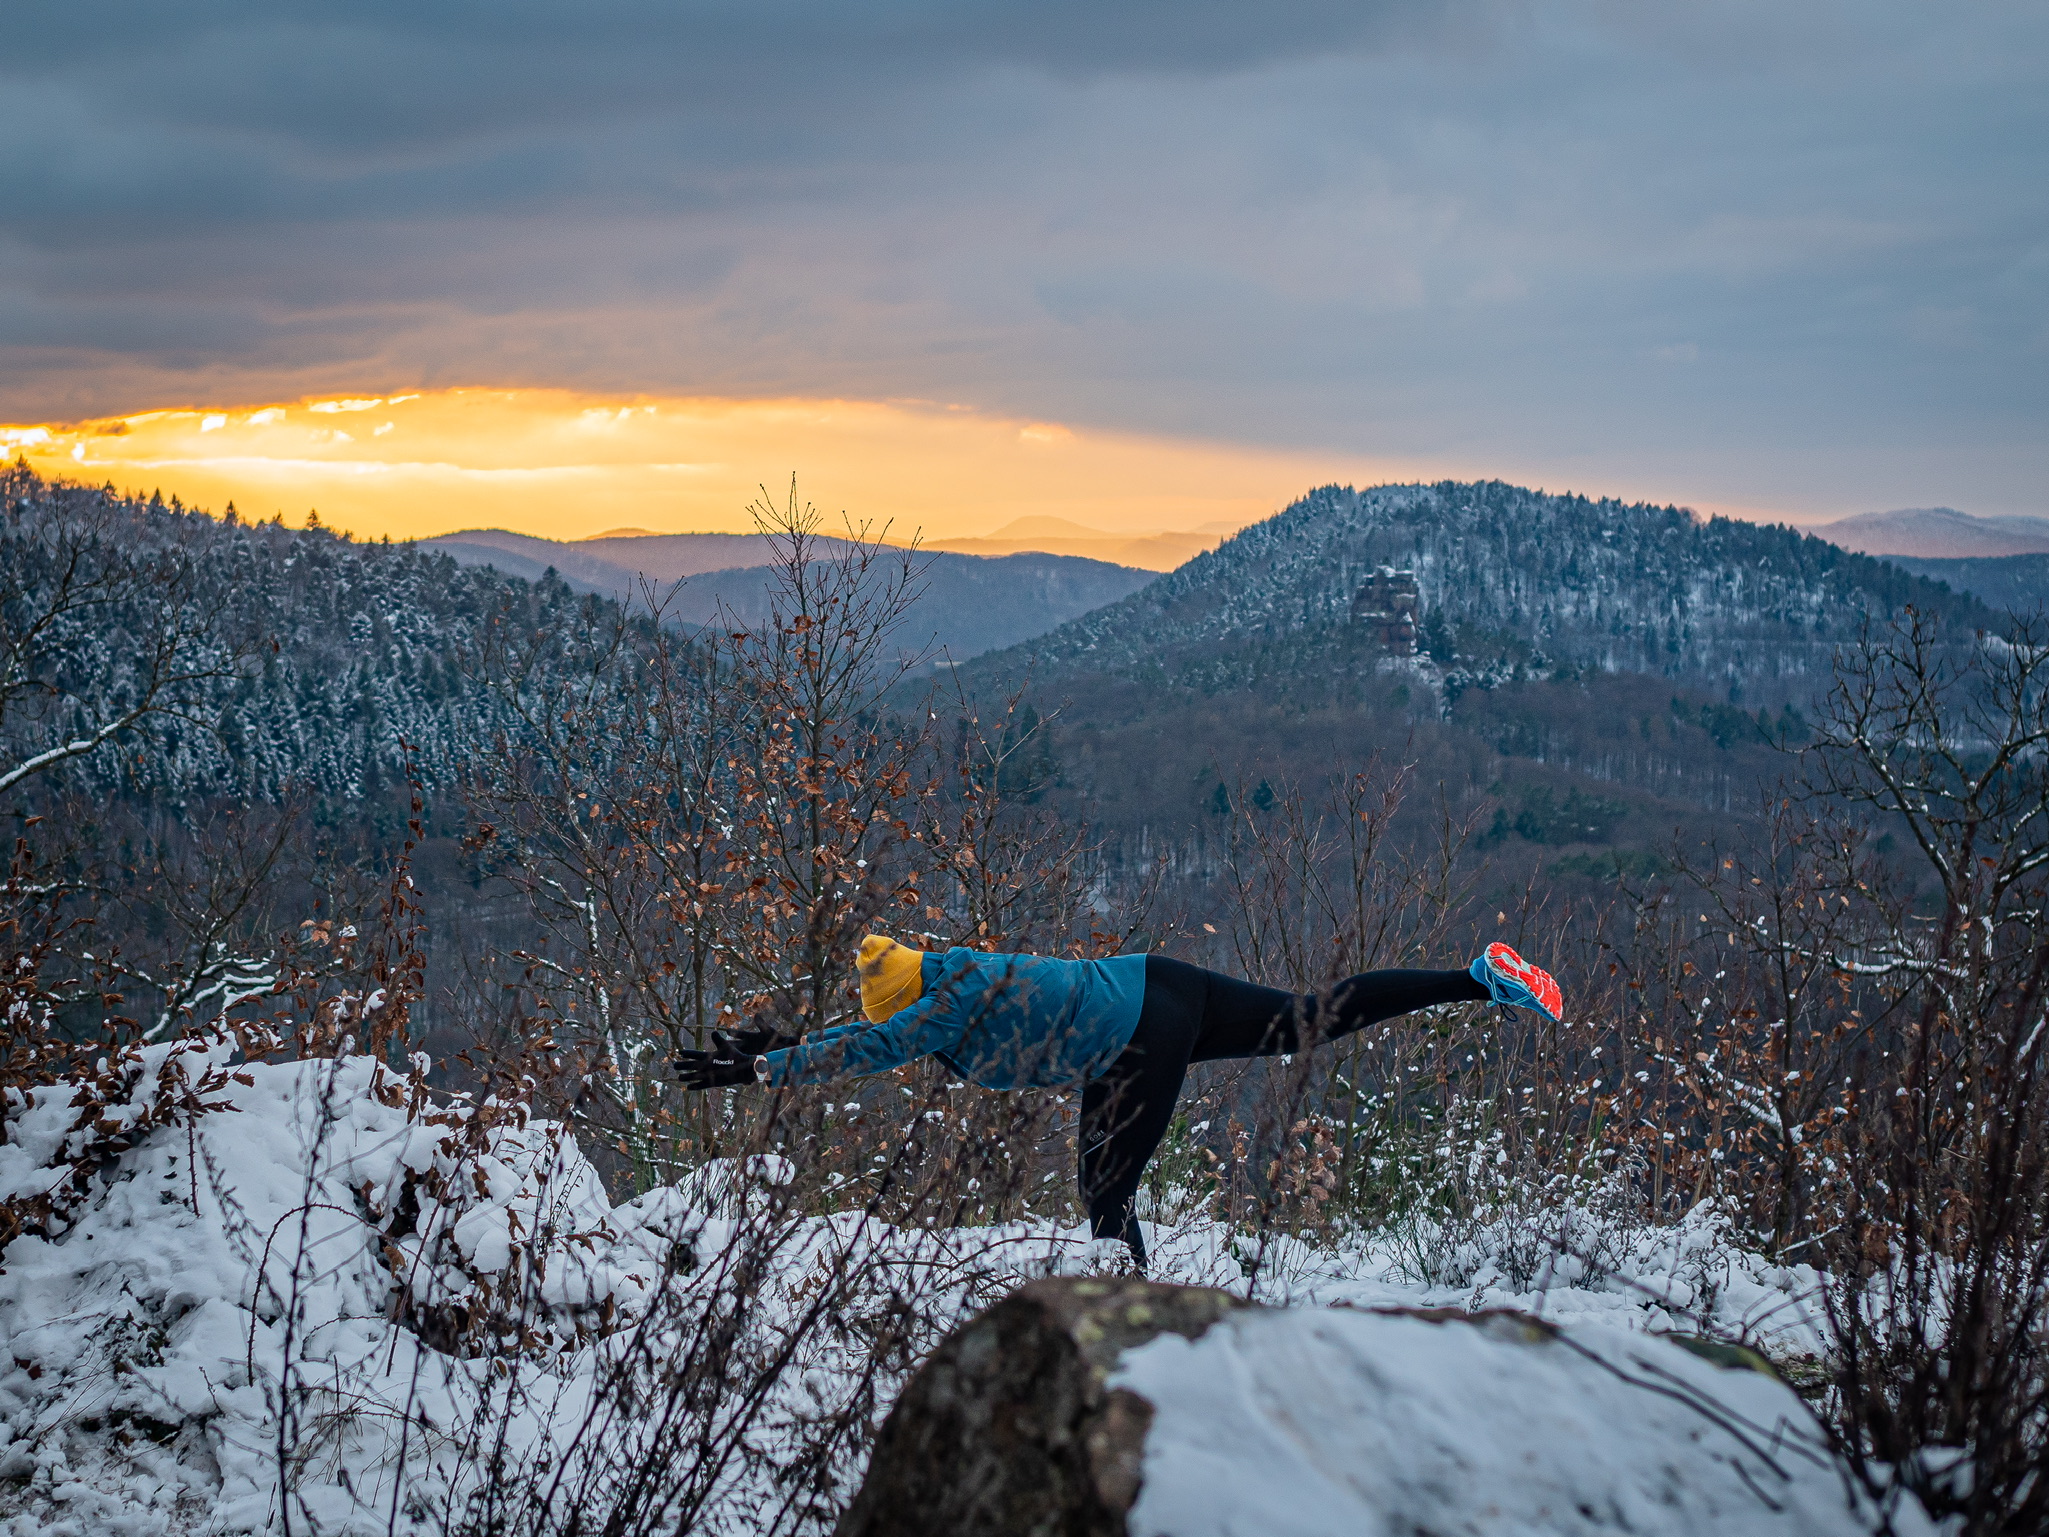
x=1743, y=252
x=374, y=80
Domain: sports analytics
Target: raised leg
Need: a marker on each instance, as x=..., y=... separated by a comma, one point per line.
x=1191, y=1014
x=1242, y=1019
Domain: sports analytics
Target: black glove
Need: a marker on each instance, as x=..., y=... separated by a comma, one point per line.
x=714, y=1069
x=749, y=1043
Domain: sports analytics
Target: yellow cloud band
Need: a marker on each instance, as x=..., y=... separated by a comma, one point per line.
x=565, y=465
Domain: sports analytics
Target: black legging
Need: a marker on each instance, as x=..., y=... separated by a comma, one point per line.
x=1193, y=1015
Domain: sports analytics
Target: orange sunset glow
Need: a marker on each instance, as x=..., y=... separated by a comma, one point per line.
x=564, y=465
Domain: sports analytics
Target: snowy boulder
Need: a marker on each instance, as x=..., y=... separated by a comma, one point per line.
x=1128, y=1409
x=1012, y=1427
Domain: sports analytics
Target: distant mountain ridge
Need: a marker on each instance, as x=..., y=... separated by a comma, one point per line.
x=614, y=563
x=1937, y=533
x=1059, y=536
x=967, y=604
x=671, y=557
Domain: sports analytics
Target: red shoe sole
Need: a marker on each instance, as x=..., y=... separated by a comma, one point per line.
x=1535, y=978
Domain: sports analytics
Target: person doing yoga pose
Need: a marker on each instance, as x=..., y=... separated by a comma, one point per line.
x=1125, y=1030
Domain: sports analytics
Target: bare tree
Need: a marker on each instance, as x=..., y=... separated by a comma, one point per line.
x=1843, y=1022
x=217, y=909
x=1939, y=1253
x=703, y=822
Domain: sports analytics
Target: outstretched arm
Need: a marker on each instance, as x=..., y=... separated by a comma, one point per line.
x=843, y=1051
x=933, y=1023
x=937, y=1022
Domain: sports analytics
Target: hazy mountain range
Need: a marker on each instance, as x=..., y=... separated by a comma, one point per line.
x=2018, y=583
x=615, y=561
x=612, y=564
x=2003, y=560
x=966, y=604
x=1059, y=536
x=1936, y=533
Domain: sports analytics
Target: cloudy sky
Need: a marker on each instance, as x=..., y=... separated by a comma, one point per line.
x=1791, y=258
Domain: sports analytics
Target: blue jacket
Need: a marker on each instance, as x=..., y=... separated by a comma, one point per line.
x=1003, y=1021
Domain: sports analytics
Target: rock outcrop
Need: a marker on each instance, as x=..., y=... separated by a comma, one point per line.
x=1011, y=1426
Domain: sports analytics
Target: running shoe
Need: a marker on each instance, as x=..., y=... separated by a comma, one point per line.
x=1514, y=983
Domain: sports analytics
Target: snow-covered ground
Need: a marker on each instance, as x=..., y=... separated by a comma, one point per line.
x=224, y=1275
x=1306, y=1422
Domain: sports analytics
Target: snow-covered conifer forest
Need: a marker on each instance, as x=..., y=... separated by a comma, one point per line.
x=357, y=902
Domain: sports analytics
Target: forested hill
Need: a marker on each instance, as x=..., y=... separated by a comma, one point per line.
x=285, y=655
x=1513, y=578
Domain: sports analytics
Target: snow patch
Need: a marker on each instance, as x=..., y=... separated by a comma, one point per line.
x=1302, y=1423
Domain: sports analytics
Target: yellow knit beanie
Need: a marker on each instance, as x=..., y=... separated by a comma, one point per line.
x=892, y=976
